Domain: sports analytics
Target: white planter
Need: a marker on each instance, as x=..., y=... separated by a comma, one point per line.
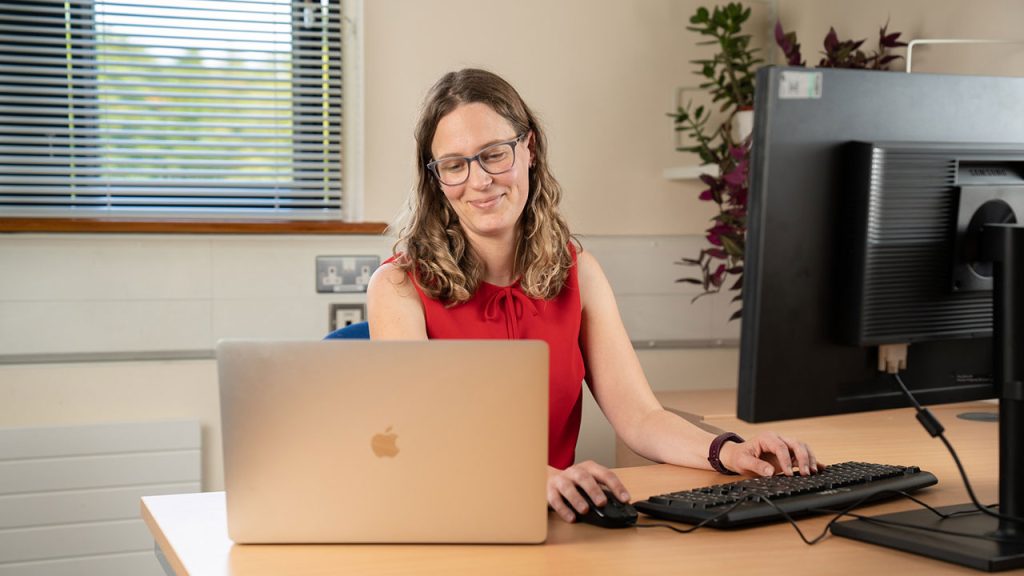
x=742, y=125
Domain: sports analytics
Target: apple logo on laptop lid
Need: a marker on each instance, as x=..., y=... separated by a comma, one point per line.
x=384, y=444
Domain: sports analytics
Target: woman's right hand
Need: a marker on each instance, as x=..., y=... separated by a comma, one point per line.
x=565, y=486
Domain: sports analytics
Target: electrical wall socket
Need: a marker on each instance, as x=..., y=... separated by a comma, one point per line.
x=341, y=315
x=344, y=273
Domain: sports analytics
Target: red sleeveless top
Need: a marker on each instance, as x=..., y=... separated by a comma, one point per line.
x=506, y=312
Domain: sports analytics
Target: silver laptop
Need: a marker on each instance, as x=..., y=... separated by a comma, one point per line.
x=385, y=441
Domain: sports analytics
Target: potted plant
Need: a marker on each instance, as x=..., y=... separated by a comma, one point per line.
x=730, y=79
x=842, y=53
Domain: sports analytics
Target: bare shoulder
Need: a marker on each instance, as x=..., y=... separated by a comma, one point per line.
x=389, y=281
x=393, y=305
x=592, y=281
x=587, y=264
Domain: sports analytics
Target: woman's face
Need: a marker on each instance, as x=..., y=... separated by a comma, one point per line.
x=488, y=205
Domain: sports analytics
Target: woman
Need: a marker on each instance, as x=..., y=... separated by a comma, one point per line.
x=486, y=254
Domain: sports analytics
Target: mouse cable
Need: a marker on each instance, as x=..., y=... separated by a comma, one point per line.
x=702, y=523
x=936, y=430
x=784, y=515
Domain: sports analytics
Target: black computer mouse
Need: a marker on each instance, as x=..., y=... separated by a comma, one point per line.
x=614, y=514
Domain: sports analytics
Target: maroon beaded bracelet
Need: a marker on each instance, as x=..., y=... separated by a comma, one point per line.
x=716, y=448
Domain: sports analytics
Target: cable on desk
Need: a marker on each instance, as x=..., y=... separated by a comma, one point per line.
x=702, y=523
x=935, y=429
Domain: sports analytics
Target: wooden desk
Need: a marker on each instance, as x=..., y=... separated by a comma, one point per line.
x=191, y=529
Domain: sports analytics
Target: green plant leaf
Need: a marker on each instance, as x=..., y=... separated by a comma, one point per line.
x=729, y=81
x=731, y=247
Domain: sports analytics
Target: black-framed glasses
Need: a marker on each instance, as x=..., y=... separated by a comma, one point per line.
x=495, y=159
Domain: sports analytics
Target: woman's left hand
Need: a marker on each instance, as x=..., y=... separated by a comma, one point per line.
x=767, y=454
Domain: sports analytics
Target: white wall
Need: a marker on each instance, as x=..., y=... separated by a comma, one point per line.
x=97, y=296
x=143, y=296
x=80, y=293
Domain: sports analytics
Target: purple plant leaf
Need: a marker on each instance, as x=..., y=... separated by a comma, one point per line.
x=780, y=37
x=889, y=40
x=794, y=58
x=718, y=276
x=831, y=40
x=707, y=195
x=736, y=178
x=787, y=42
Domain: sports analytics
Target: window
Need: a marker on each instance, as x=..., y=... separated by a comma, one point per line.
x=187, y=108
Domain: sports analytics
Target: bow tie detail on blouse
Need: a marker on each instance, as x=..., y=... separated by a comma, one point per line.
x=512, y=302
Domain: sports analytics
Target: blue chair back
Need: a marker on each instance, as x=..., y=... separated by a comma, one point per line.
x=359, y=331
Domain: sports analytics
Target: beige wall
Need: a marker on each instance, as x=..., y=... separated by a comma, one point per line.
x=601, y=75
x=918, y=19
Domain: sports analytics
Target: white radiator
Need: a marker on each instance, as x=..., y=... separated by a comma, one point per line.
x=69, y=496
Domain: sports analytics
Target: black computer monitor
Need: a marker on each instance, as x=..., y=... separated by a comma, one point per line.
x=870, y=196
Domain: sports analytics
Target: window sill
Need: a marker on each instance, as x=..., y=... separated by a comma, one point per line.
x=186, y=226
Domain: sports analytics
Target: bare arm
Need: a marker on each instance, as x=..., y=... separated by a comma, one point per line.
x=393, y=306
x=619, y=385
x=623, y=393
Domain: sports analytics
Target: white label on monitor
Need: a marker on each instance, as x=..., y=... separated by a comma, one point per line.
x=800, y=85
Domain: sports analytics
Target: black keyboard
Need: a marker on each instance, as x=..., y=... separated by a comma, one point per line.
x=834, y=488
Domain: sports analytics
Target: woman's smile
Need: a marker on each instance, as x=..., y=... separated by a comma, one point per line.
x=487, y=203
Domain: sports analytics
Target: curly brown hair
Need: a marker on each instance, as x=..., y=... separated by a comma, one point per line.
x=431, y=240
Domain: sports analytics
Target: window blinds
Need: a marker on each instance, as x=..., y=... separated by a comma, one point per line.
x=160, y=107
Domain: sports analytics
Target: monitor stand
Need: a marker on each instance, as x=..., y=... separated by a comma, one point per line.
x=1004, y=246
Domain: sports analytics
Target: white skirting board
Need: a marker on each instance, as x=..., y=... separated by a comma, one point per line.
x=69, y=495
